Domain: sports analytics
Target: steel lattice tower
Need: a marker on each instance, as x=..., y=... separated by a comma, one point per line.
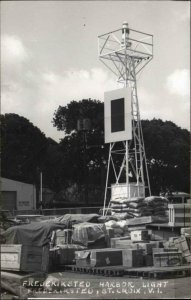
x=126, y=52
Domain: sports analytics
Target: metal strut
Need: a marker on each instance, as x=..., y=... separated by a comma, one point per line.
x=126, y=59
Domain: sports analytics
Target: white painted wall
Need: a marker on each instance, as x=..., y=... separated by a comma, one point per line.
x=26, y=193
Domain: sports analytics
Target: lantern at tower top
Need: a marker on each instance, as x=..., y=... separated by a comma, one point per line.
x=119, y=48
x=125, y=35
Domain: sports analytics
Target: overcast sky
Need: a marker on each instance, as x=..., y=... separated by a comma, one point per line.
x=49, y=57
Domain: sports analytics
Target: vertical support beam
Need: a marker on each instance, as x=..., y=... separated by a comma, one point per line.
x=127, y=165
x=106, y=184
x=41, y=190
x=127, y=162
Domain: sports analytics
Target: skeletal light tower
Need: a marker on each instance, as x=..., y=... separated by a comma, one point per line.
x=125, y=52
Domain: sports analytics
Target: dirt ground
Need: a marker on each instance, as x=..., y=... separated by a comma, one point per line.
x=68, y=285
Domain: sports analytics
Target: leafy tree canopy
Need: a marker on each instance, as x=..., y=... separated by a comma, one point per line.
x=23, y=146
x=166, y=144
x=167, y=151
x=66, y=117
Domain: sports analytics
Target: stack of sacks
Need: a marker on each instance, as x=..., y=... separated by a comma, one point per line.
x=158, y=207
x=120, y=206
x=134, y=207
x=138, y=208
x=119, y=227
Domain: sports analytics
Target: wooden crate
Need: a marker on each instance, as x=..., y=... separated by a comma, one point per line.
x=132, y=258
x=139, y=235
x=11, y=257
x=113, y=241
x=167, y=258
x=137, y=227
x=146, y=247
x=140, y=221
x=183, y=244
x=24, y=258
x=148, y=260
x=125, y=244
x=98, y=257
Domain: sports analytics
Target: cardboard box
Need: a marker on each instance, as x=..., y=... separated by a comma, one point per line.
x=139, y=235
x=24, y=258
x=167, y=259
x=132, y=258
x=99, y=257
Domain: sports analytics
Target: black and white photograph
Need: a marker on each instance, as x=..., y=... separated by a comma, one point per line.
x=95, y=150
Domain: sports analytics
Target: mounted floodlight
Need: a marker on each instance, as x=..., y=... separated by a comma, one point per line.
x=117, y=115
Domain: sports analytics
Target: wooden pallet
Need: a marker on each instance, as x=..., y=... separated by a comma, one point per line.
x=144, y=272
x=160, y=272
x=104, y=271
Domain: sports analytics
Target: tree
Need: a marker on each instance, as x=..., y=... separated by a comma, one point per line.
x=84, y=154
x=166, y=144
x=53, y=173
x=83, y=151
x=23, y=147
x=167, y=151
x=66, y=117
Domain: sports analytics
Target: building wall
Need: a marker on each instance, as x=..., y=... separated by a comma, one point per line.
x=25, y=193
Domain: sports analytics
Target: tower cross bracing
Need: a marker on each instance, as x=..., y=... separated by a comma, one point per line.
x=125, y=52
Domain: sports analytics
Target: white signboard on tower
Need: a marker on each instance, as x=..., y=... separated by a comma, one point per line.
x=117, y=115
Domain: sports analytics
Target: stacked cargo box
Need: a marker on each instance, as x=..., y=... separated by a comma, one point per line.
x=183, y=244
x=167, y=257
x=109, y=257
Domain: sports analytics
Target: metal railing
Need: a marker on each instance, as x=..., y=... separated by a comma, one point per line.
x=58, y=211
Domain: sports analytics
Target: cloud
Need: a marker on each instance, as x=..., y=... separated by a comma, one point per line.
x=178, y=82
x=36, y=94
x=162, y=106
x=12, y=50
x=76, y=84
x=30, y=92
x=184, y=15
